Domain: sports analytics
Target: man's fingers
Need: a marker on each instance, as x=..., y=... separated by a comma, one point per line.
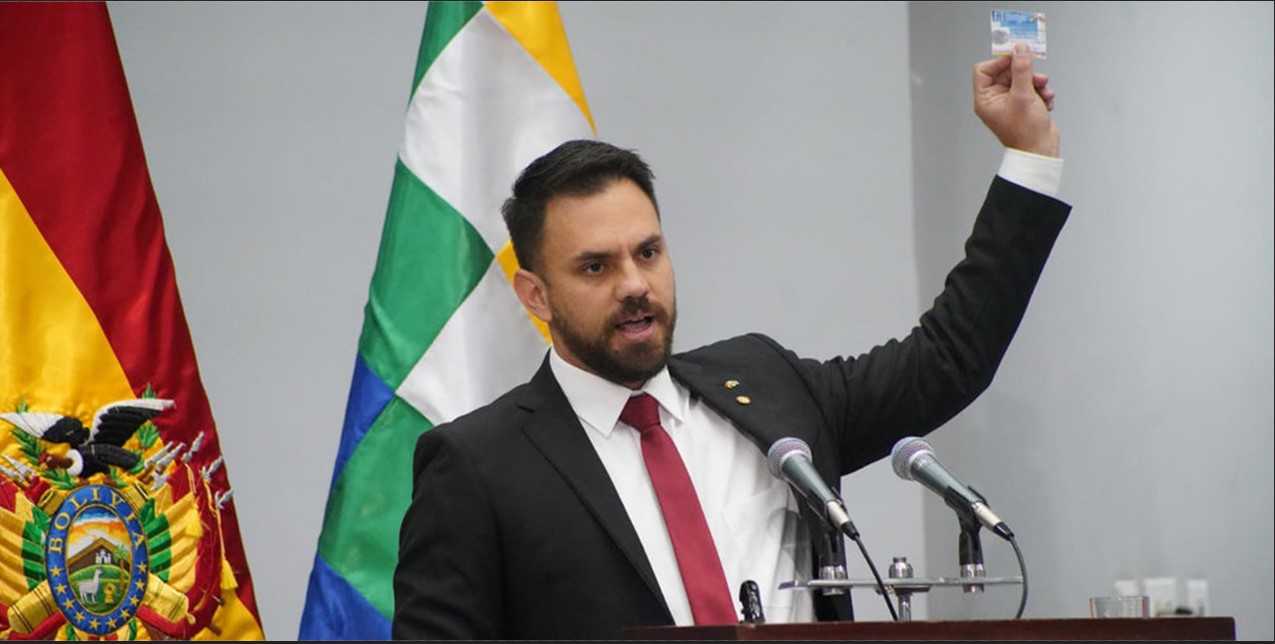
x=989, y=72
x=993, y=66
x=1002, y=70
x=1021, y=67
x=1005, y=77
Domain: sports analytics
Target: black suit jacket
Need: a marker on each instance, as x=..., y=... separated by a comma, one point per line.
x=516, y=532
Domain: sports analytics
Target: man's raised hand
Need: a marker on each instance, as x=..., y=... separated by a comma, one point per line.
x=1014, y=103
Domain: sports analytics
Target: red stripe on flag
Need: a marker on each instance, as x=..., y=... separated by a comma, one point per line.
x=70, y=146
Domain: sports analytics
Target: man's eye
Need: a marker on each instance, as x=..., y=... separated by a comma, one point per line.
x=649, y=253
x=594, y=268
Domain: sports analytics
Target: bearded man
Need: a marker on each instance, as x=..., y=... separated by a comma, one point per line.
x=626, y=486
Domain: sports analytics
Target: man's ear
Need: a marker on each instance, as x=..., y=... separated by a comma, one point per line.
x=533, y=294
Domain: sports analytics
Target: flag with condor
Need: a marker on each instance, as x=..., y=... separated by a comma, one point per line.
x=116, y=516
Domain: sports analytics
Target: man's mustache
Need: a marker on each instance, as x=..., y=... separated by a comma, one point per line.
x=637, y=307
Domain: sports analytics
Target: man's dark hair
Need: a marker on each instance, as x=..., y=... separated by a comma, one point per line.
x=577, y=168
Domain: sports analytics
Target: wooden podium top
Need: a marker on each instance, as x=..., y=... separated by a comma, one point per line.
x=1128, y=628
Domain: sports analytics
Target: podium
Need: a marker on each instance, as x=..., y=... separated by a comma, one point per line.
x=1130, y=628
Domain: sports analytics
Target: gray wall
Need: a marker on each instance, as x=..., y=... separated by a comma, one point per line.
x=787, y=139
x=1129, y=432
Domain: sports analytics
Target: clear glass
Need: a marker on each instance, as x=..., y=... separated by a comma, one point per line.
x=1124, y=606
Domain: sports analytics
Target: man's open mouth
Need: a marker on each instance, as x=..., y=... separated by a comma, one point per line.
x=636, y=325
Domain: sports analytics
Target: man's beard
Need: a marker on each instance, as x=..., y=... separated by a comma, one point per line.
x=635, y=363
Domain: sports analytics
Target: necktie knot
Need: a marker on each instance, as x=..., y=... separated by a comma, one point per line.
x=641, y=412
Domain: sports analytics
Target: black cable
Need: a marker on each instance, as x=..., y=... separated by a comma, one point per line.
x=880, y=584
x=1022, y=568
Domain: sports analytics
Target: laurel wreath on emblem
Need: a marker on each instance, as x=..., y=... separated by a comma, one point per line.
x=107, y=529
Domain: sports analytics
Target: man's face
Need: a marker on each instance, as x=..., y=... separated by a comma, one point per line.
x=607, y=284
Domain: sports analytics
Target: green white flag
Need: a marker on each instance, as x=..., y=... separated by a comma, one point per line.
x=495, y=87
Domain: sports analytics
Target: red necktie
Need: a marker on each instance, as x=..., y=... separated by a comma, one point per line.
x=692, y=543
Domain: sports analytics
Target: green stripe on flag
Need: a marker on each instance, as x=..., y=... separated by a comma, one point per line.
x=430, y=259
x=361, y=523
x=443, y=20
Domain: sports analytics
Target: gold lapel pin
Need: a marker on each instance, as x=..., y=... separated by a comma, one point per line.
x=743, y=400
x=731, y=384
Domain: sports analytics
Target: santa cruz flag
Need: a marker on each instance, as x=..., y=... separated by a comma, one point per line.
x=116, y=518
x=495, y=87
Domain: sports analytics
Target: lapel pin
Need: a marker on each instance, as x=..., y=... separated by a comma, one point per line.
x=731, y=384
x=743, y=400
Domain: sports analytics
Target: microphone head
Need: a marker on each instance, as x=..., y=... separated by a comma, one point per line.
x=905, y=451
x=781, y=450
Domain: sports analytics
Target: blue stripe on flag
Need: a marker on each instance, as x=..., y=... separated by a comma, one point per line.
x=334, y=610
x=368, y=396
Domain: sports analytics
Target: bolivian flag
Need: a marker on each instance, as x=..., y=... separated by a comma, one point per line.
x=116, y=518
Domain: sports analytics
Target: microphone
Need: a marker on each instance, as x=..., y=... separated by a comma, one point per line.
x=789, y=459
x=750, y=599
x=914, y=460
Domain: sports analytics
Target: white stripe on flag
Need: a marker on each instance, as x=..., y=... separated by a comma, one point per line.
x=483, y=111
x=488, y=347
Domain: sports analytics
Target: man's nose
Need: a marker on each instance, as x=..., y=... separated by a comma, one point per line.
x=632, y=282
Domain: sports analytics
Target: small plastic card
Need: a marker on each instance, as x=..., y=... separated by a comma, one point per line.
x=1009, y=27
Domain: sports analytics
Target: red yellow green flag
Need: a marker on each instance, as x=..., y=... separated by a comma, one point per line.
x=116, y=518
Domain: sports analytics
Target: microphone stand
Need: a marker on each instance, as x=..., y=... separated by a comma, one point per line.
x=971, y=554
x=831, y=557
x=970, y=544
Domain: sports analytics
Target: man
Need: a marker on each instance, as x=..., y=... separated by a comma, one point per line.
x=555, y=512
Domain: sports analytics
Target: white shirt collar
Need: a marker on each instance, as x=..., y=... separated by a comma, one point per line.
x=598, y=401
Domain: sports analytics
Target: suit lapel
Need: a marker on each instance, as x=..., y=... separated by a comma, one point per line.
x=555, y=430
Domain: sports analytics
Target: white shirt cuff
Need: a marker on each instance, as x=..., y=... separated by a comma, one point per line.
x=1032, y=171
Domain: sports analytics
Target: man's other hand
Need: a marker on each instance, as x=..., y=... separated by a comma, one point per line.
x=1014, y=103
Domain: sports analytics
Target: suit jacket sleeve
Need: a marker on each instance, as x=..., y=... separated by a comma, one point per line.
x=913, y=385
x=448, y=577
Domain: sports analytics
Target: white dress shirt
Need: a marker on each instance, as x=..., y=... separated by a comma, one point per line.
x=752, y=516
x=1032, y=171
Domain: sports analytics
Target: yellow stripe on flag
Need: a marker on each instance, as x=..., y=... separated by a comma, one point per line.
x=12, y=524
x=538, y=26
x=509, y=264
x=233, y=621
x=53, y=352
